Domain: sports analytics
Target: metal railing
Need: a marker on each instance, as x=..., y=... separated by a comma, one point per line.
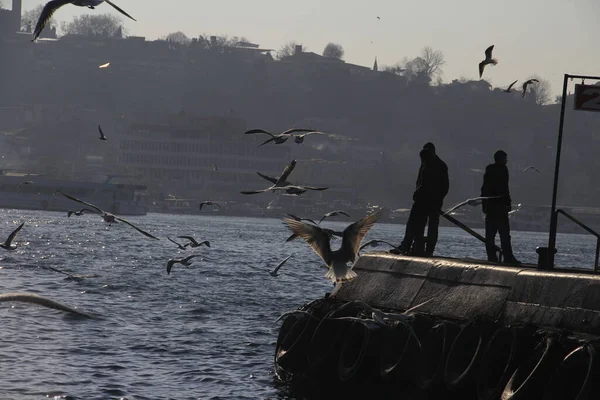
x=475, y=234
x=588, y=229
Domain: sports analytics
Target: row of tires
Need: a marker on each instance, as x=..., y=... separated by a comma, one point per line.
x=479, y=359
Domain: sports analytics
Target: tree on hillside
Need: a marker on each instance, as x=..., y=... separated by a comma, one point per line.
x=334, y=50
x=95, y=25
x=178, y=37
x=288, y=49
x=426, y=67
x=219, y=41
x=30, y=17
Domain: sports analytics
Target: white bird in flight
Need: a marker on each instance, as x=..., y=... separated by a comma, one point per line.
x=51, y=7
x=275, y=272
x=102, y=137
x=336, y=260
x=488, y=60
x=533, y=168
x=475, y=201
x=8, y=244
x=108, y=217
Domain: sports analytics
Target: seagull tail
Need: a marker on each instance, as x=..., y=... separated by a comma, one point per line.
x=494, y=61
x=339, y=275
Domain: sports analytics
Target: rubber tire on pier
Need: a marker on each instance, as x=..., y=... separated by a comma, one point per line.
x=506, y=349
x=434, y=349
x=399, y=349
x=359, y=355
x=290, y=351
x=530, y=378
x=465, y=353
x=324, y=347
x=575, y=376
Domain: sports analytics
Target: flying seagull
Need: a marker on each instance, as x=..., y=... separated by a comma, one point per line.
x=300, y=138
x=531, y=167
x=281, y=183
x=509, y=88
x=527, y=83
x=275, y=272
x=8, y=244
x=292, y=189
x=512, y=212
x=336, y=260
x=25, y=183
x=209, y=203
x=51, y=7
x=193, y=243
x=108, y=217
x=104, y=65
x=183, y=261
x=330, y=232
x=178, y=245
x=279, y=138
x=475, y=201
x=377, y=242
x=78, y=213
x=302, y=219
x=333, y=214
x=488, y=60
x=102, y=137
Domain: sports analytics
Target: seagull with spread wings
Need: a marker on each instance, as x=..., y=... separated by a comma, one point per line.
x=51, y=7
x=8, y=244
x=336, y=260
x=102, y=137
x=282, y=184
x=333, y=214
x=533, y=168
x=193, y=243
x=275, y=272
x=488, y=60
x=183, y=261
x=25, y=183
x=279, y=138
x=475, y=201
x=330, y=232
x=108, y=217
x=178, y=245
x=377, y=242
x=527, y=83
x=78, y=213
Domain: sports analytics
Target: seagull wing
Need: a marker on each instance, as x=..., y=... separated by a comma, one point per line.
x=459, y=205
x=280, y=264
x=481, y=68
x=253, y=131
x=49, y=10
x=488, y=52
x=376, y=242
x=119, y=10
x=178, y=245
x=136, y=228
x=286, y=172
x=101, y=133
x=355, y=233
x=296, y=130
x=307, y=187
x=267, y=141
x=83, y=210
x=257, y=191
x=512, y=84
x=82, y=202
x=13, y=234
x=188, y=258
x=191, y=239
x=313, y=235
x=269, y=178
x=170, y=266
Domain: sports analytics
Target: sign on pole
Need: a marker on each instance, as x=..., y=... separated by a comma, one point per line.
x=587, y=97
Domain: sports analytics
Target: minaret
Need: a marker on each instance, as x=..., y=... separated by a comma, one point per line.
x=17, y=6
x=375, y=68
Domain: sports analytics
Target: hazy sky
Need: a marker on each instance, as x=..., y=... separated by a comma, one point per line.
x=544, y=37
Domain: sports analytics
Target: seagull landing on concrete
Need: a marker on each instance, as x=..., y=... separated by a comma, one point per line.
x=193, y=243
x=183, y=261
x=8, y=244
x=475, y=201
x=51, y=7
x=527, y=83
x=488, y=60
x=208, y=203
x=102, y=137
x=509, y=88
x=336, y=260
x=275, y=272
x=108, y=217
x=78, y=213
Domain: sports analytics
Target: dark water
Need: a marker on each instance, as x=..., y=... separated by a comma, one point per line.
x=204, y=332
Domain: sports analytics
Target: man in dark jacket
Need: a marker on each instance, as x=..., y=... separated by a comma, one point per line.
x=495, y=183
x=431, y=188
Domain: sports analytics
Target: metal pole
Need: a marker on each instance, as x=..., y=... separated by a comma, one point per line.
x=553, y=214
x=597, y=255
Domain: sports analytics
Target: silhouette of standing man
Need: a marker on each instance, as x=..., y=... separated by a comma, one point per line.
x=431, y=188
x=495, y=183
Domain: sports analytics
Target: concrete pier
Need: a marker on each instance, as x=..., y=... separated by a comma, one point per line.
x=464, y=289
